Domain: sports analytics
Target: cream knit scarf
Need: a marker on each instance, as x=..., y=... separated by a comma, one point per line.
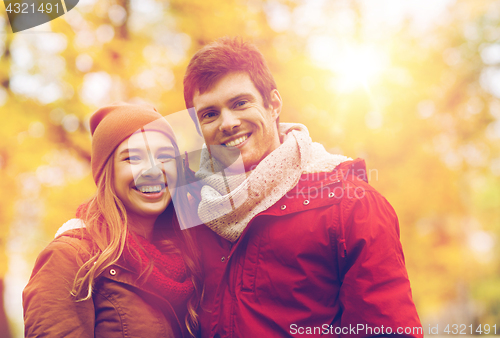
x=229, y=202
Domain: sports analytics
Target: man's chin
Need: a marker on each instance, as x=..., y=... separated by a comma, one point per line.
x=227, y=156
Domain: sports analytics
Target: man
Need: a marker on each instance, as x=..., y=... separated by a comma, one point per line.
x=299, y=243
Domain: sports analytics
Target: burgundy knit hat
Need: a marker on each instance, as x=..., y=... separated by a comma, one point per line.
x=113, y=124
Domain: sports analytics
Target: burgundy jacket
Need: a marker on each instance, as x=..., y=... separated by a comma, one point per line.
x=325, y=259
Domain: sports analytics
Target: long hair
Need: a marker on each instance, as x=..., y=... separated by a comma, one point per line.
x=105, y=219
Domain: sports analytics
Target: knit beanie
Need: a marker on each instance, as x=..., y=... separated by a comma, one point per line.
x=113, y=124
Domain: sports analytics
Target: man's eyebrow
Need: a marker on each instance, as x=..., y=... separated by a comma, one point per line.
x=199, y=111
x=239, y=96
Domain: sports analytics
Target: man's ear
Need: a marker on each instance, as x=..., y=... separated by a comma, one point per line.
x=275, y=104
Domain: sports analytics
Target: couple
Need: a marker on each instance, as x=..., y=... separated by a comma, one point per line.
x=296, y=244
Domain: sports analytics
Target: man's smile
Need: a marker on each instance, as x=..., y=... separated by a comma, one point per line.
x=236, y=142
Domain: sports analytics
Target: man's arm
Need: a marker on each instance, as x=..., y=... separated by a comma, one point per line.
x=375, y=293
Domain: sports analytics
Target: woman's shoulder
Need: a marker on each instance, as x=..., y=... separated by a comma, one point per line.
x=72, y=236
x=72, y=224
x=64, y=255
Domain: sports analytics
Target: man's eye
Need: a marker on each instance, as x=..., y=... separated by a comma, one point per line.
x=209, y=115
x=241, y=103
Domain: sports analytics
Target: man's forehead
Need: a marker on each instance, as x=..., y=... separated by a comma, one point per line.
x=230, y=85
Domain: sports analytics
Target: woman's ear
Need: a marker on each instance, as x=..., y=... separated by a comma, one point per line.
x=275, y=104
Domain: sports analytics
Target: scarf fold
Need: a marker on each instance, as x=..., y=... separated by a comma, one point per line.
x=229, y=202
x=168, y=278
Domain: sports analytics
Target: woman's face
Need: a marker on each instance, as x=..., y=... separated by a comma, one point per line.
x=144, y=167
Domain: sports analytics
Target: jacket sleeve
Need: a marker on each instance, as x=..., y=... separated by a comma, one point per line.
x=49, y=308
x=375, y=293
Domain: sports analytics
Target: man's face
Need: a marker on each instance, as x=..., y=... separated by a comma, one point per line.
x=232, y=114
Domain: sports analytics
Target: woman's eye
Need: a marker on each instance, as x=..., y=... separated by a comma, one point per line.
x=133, y=158
x=165, y=158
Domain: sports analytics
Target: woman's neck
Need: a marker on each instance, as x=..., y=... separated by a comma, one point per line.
x=142, y=226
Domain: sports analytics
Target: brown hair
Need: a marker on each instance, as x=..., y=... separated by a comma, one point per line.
x=221, y=57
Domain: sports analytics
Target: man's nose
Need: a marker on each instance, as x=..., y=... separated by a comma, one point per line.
x=229, y=120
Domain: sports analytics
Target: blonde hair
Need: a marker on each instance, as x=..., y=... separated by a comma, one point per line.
x=105, y=219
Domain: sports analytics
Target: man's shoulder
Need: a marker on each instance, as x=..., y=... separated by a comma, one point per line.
x=355, y=174
x=358, y=194
x=353, y=171
x=348, y=180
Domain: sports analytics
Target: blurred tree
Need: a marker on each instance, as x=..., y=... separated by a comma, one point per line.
x=4, y=324
x=6, y=204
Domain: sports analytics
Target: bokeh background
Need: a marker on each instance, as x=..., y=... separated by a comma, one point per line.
x=413, y=87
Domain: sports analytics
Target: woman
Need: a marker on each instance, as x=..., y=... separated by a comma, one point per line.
x=128, y=271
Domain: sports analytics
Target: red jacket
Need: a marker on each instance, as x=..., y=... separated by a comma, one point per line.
x=325, y=259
